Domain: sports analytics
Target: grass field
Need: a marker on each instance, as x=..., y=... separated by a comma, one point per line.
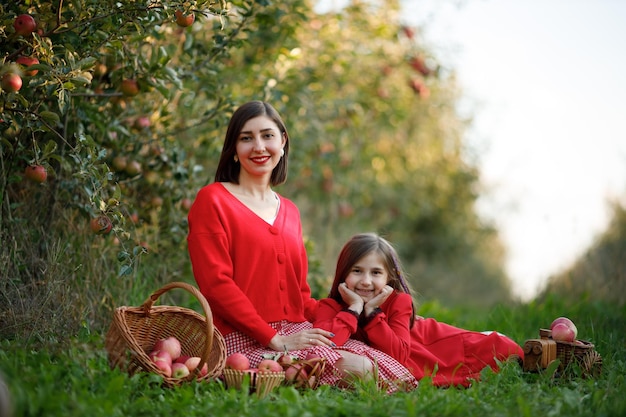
x=75, y=380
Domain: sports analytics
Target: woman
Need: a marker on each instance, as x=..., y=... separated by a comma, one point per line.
x=247, y=251
x=371, y=301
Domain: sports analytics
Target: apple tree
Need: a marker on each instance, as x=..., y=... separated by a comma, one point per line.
x=96, y=168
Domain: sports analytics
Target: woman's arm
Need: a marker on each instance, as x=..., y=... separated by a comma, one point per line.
x=333, y=317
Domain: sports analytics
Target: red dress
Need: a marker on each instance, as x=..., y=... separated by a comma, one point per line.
x=448, y=354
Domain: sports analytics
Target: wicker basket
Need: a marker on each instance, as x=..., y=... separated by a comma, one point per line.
x=306, y=373
x=582, y=353
x=262, y=383
x=539, y=353
x=135, y=330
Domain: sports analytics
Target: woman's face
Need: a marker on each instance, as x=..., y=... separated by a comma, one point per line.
x=259, y=147
x=368, y=276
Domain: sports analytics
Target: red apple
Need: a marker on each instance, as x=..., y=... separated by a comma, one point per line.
x=184, y=20
x=36, y=173
x=193, y=362
x=171, y=345
x=165, y=367
x=285, y=359
x=237, y=361
x=24, y=24
x=567, y=322
x=182, y=359
x=161, y=356
x=129, y=87
x=101, y=225
x=179, y=370
x=269, y=365
x=27, y=61
x=563, y=333
x=11, y=82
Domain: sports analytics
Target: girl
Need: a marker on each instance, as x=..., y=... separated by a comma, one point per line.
x=370, y=300
x=248, y=257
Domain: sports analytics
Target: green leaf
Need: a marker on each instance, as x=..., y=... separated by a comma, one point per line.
x=50, y=117
x=125, y=270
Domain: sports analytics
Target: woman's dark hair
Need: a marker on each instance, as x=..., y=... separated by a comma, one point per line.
x=361, y=245
x=227, y=168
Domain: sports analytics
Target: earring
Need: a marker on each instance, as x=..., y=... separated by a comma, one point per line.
x=282, y=152
x=236, y=158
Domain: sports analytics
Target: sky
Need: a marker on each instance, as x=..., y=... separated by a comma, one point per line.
x=545, y=83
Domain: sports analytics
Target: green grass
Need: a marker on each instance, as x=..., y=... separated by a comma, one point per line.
x=75, y=380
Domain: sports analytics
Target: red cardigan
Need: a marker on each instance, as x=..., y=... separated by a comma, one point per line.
x=387, y=331
x=251, y=273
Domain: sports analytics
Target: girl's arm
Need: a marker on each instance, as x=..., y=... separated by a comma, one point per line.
x=332, y=316
x=388, y=329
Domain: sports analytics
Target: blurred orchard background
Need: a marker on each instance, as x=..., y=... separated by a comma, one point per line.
x=125, y=106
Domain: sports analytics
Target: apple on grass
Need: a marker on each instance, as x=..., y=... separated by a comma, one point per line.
x=237, y=361
x=171, y=345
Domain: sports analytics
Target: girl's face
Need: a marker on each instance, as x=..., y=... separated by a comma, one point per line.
x=259, y=146
x=368, y=276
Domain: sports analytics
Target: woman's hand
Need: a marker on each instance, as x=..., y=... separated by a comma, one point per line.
x=378, y=300
x=302, y=340
x=352, y=299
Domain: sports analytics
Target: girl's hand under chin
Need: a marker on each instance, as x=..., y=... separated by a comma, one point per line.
x=378, y=300
x=352, y=299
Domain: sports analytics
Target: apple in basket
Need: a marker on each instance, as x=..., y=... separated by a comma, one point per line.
x=193, y=362
x=296, y=372
x=182, y=358
x=179, y=370
x=170, y=345
x=237, y=361
x=563, y=329
x=163, y=361
x=285, y=360
x=269, y=365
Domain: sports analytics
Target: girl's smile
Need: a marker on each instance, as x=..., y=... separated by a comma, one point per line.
x=368, y=276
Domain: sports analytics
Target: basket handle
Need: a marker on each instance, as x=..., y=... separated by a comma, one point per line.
x=147, y=306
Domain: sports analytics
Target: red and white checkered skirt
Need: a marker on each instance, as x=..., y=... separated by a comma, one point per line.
x=392, y=376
